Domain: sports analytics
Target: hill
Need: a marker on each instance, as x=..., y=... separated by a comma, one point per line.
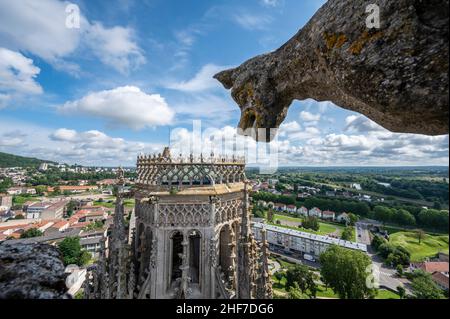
x=9, y=160
x=429, y=246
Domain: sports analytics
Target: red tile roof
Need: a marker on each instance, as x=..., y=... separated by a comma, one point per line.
x=433, y=266
x=440, y=279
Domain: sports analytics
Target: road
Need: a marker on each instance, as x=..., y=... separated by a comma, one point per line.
x=362, y=234
x=387, y=276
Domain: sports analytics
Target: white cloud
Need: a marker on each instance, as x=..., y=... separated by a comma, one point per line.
x=17, y=75
x=39, y=27
x=309, y=117
x=270, y=3
x=361, y=124
x=202, y=81
x=90, y=147
x=123, y=106
x=115, y=47
x=252, y=21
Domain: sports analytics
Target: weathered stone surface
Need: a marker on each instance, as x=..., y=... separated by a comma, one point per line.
x=31, y=271
x=396, y=75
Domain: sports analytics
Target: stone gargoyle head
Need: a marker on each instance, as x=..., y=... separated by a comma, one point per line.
x=263, y=109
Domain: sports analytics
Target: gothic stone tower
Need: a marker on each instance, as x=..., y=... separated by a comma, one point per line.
x=192, y=229
x=191, y=236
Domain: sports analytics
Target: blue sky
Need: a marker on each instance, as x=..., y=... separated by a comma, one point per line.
x=136, y=71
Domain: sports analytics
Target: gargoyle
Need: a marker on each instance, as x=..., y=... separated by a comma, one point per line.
x=396, y=75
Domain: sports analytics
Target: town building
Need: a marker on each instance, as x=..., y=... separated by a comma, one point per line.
x=279, y=207
x=302, y=211
x=291, y=208
x=300, y=243
x=46, y=210
x=316, y=212
x=328, y=215
x=6, y=200
x=343, y=218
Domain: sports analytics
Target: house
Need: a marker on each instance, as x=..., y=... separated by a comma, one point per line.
x=46, y=210
x=14, y=191
x=55, y=211
x=441, y=279
x=343, y=218
x=34, y=209
x=291, y=208
x=264, y=185
x=58, y=227
x=330, y=193
x=327, y=214
x=6, y=200
x=315, y=212
x=21, y=190
x=303, y=211
x=431, y=266
x=279, y=207
x=303, y=195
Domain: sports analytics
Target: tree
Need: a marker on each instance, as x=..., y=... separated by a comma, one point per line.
x=382, y=213
x=399, y=269
x=32, y=232
x=401, y=291
x=347, y=234
x=40, y=189
x=423, y=287
x=345, y=271
x=304, y=278
x=270, y=216
x=353, y=219
x=311, y=222
x=72, y=253
x=420, y=234
x=70, y=208
x=377, y=241
x=19, y=216
x=294, y=292
x=279, y=276
x=57, y=190
x=403, y=217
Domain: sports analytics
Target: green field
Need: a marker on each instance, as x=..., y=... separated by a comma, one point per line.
x=386, y=294
x=430, y=245
x=20, y=200
x=325, y=228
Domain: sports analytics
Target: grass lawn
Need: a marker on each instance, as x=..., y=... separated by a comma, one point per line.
x=104, y=204
x=325, y=228
x=127, y=203
x=20, y=200
x=430, y=246
x=386, y=294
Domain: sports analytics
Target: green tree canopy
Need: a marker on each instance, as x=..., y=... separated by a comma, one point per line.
x=303, y=277
x=72, y=253
x=32, y=232
x=345, y=271
x=423, y=287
